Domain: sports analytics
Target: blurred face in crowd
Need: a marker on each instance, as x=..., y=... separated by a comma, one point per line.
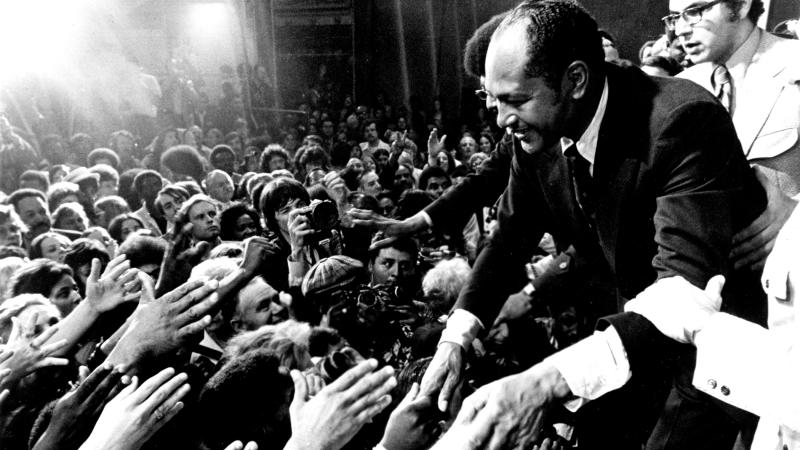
x=124, y=146
x=213, y=137
x=327, y=128
x=356, y=165
x=468, y=147
x=369, y=164
x=171, y=139
x=392, y=267
x=386, y=207
x=370, y=184
x=220, y=186
x=381, y=160
x=277, y=162
x=46, y=317
x=107, y=188
x=205, y=221
x=53, y=248
x=69, y=220
x=437, y=186
x=282, y=215
x=65, y=295
x=476, y=161
x=129, y=226
x=535, y=112
x=371, y=133
x=713, y=38
x=149, y=189
x=258, y=305
x=245, y=227
x=33, y=212
x=443, y=160
x=403, y=179
x=170, y=205
x=58, y=175
x=10, y=232
x=485, y=145
x=224, y=161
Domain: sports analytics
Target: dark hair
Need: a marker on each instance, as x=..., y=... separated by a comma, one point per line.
x=174, y=191
x=37, y=176
x=115, y=226
x=191, y=187
x=141, y=250
x=218, y=149
x=460, y=171
x=21, y=194
x=605, y=34
x=106, y=172
x=340, y=154
x=8, y=251
x=476, y=46
x=431, y=172
x=103, y=153
x=404, y=244
x=232, y=213
x=314, y=154
x=59, y=191
x=411, y=202
x=246, y=399
x=38, y=277
x=115, y=200
x=361, y=200
x=80, y=253
x=138, y=181
x=559, y=32
x=488, y=136
x=125, y=189
x=183, y=159
x=276, y=194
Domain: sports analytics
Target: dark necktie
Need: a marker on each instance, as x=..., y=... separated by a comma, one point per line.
x=582, y=181
x=722, y=84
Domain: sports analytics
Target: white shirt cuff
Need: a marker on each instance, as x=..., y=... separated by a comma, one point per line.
x=593, y=367
x=427, y=218
x=462, y=328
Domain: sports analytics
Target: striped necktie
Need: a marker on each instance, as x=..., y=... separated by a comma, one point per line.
x=722, y=84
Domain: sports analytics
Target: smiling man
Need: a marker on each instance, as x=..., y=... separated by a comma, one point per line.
x=645, y=172
x=756, y=75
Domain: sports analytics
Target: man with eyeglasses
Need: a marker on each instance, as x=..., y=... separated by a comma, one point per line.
x=646, y=171
x=756, y=76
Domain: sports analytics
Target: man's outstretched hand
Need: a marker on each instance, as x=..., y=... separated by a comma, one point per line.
x=444, y=374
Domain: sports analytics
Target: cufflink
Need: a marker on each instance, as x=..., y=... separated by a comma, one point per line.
x=712, y=383
x=725, y=390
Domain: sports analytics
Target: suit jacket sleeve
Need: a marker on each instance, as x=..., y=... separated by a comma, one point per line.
x=496, y=270
x=453, y=209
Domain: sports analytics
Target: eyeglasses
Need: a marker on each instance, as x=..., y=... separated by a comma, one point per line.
x=485, y=95
x=691, y=15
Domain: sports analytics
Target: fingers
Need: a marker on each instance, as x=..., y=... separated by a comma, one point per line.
x=714, y=286
x=300, y=390
x=91, y=382
x=198, y=311
x=49, y=362
x=11, y=312
x=161, y=404
x=115, y=272
x=352, y=376
x=410, y=396
x=3, y=396
x=98, y=394
x=181, y=291
x=449, y=386
x=94, y=274
x=368, y=384
x=367, y=414
x=5, y=354
x=368, y=398
x=150, y=386
x=315, y=384
x=42, y=338
x=200, y=290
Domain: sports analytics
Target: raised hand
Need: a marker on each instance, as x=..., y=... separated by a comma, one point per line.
x=336, y=187
x=299, y=230
x=76, y=412
x=257, y=253
x=26, y=352
x=179, y=258
x=161, y=326
x=135, y=414
x=391, y=227
x=435, y=145
x=411, y=425
x=118, y=284
x=444, y=373
x=331, y=418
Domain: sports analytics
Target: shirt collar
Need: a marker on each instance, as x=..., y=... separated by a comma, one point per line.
x=587, y=144
x=738, y=63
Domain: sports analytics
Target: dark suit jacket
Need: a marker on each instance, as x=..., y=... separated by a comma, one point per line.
x=670, y=183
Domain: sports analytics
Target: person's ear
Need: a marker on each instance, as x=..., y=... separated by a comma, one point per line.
x=577, y=79
x=237, y=325
x=744, y=9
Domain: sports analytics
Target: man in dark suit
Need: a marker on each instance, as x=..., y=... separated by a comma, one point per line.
x=647, y=173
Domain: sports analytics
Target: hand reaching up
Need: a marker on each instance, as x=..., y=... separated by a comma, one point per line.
x=332, y=417
x=26, y=352
x=162, y=326
x=118, y=284
x=138, y=412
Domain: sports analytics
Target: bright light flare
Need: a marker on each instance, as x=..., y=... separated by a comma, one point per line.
x=38, y=35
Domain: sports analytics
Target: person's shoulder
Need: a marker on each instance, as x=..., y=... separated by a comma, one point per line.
x=697, y=73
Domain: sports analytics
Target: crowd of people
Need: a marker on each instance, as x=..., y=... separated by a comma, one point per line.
x=351, y=278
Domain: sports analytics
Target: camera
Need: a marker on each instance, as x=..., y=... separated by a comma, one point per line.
x=322, y=217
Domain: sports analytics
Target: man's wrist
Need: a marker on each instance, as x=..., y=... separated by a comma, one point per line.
x=550, y=381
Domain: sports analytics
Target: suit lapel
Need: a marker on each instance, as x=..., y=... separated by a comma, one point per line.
x=759, y=92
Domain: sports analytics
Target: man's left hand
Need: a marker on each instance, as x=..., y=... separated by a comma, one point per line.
x=752, y=245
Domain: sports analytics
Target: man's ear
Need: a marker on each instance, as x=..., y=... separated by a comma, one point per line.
x=577, y=79
x=744, y=9
x=237, y=325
